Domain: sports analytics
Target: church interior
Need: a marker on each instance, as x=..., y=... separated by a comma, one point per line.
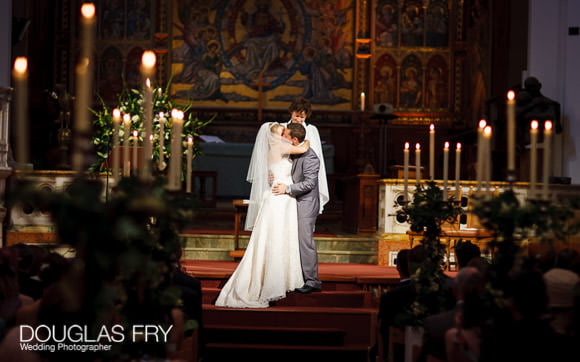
x=448, y=138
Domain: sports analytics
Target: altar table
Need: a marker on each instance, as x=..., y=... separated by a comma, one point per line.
x=231, y=161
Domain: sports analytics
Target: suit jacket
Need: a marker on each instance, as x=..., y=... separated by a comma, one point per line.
x=305, y=187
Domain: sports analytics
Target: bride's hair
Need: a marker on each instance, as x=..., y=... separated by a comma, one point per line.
x=275, y=127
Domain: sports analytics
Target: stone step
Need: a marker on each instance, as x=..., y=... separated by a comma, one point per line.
x=219, y=352
x=339, y=299
x=359, y=324
x=274, y=335
x=331, y=249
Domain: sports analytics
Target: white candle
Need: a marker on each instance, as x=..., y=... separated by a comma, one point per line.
x=547, y=158
x=148, y=61
x=175, y=160
x=445, y=169
x=135, y=165
x=480, y=145
x=188, y=166
x=20, y=74
x=487, y=156
x=362, y=101
x=533, y=156
x=406, y=172
x=418, y=163
x=84, y=83
x=511, y=130
x=126, y=136
x=432, y=151
x=161, y=164
x=457, y=171
x=116, y=127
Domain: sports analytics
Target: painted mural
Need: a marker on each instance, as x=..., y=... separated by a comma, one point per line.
x=411, y=67
x=240, y=52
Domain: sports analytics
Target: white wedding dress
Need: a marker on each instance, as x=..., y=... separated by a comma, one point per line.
x=271, y=264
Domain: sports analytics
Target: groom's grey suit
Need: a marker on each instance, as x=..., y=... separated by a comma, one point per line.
x=305, y=188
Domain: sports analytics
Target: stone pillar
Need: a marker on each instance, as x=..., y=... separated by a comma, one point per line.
x=5, y=170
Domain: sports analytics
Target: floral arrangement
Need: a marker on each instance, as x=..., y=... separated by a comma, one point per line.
x=428, y=211
x=131, y=102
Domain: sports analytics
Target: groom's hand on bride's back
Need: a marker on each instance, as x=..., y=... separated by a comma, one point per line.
x=279, y=188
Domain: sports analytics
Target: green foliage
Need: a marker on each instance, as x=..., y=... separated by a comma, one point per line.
x=428, y=211
x=512, y=223
x=126, y=250
x=131, y=102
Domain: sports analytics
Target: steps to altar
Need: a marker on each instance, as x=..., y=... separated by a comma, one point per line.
x=288, y=333
x=337, y=324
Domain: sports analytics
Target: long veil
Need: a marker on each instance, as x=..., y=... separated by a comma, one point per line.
x=268, y=149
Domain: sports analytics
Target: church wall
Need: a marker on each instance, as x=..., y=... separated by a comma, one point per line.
x=553, y=59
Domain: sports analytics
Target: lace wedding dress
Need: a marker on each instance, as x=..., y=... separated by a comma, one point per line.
x=271, y=264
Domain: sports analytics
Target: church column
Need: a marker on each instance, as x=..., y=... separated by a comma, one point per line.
x=5, y=96
x=5, y=42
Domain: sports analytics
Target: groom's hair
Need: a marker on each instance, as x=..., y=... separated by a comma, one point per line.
x=297, y=130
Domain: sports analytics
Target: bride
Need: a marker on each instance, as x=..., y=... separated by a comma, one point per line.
x=271, y=264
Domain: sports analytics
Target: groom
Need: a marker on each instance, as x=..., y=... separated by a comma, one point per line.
x=305, y=188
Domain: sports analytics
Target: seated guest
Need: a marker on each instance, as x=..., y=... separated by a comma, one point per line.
x=560, y=285
x=402, y=265
x=526, y=335
x=468, y=282
x=395, y=303
x=464, y=252
x=463, y=340
x=11, y=300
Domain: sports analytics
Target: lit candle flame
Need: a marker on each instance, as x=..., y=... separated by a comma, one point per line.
x=407, y=146
x=487, y=131
x=135, y=134
x=458, y=145
x=548, y=125
x=20, y=65
x=446, y=146
x=161, y=115
x=418, y=146
x=148, y=83
x=534, y=124
x=511, y=95
x=482, y=123
x=127, y=118
x=88, y=10
x=432, y=128
x=116, y=114
x=190, y=140
x=148, y=59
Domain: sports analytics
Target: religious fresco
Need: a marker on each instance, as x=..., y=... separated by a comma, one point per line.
x=110, y=81
x=437, y=83
x=118, y=23
x=386, y=80
x=240, y=52
x=387, y=23
x=412, y=60
x=411, y=89
x=437, y=24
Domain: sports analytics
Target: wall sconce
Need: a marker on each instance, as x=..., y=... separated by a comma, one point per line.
x=363, y=47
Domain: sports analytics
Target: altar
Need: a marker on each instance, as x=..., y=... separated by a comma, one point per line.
x=231, y=161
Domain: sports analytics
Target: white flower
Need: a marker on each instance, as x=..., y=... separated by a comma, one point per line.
x=135, y=118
